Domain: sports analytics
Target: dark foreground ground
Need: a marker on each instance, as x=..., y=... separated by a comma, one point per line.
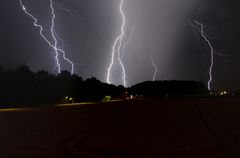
x=196, y=128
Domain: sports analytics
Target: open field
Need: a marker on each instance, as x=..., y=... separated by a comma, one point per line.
x=189, y=128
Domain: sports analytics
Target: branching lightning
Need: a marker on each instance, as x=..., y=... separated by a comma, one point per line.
x=200, y=27
x=118, y=41
x=155, y=68
x=56, y=41
x=120, y=45
x=53, y=34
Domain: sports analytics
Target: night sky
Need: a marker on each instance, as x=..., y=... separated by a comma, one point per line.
x=160, y=28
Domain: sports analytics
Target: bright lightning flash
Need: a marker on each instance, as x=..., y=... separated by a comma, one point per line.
x=56, y=41
x=155, y=68
x=53, y=34
x=118, y=42
x=200, y=27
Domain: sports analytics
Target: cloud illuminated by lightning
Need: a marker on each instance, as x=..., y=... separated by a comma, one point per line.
x=118, y=42
x=127, y=41
x=53, y=34
x=155, y=68
x=73, y=13
x=200, y=27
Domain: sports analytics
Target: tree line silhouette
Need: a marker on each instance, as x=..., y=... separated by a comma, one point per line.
x=24, y=87
x=21, y=86
x=170, y=88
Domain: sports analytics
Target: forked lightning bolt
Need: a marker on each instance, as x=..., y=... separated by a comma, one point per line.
x=155, y=68
x=200, y=27
x=53, y=34
x=120, y=45
x=56, y=41
x=118, y=42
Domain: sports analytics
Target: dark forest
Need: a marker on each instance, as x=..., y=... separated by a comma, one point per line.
x=22, y=87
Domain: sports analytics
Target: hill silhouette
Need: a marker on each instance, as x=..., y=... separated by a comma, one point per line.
x=21, y=86
x=170, y=88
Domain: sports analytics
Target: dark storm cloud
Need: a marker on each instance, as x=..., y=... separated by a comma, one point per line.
x=89, y=27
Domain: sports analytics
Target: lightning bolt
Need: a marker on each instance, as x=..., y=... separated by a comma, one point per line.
x=118, y=41
x=155, y=68
x=53, y=34
x=200, y=27
x=56, y=41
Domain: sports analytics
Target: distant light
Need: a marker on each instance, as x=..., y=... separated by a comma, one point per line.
x=107, y=98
